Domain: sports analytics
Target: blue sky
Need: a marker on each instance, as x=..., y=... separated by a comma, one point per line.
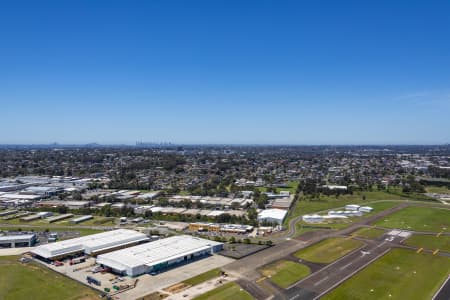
x=281, y=72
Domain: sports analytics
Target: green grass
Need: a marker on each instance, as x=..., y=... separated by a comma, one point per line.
x=203, y=277
x=82, y=231
x=227, y=291
x=328, y=250
x=308, y=206
x=291, y=187
x=32, y=281
x=438, y=189
x=401, y=273
x=285, y=273
x=430, y=242
x=312, y=206
x=369, y=233
x=418, y=219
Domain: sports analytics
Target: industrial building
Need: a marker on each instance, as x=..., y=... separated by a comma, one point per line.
x=231, y=228
x=91, y=245
x=14, y=241
x=158, y=255
x=81, y=219
x=274, y=216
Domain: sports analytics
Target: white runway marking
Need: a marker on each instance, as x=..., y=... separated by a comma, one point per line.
x=320, y=281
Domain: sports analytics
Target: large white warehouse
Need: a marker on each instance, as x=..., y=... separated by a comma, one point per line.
x=274, y=215
x=91, y=244
x=157, y=255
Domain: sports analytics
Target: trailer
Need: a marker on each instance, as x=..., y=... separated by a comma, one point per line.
x=92, y=280
x=77, y=260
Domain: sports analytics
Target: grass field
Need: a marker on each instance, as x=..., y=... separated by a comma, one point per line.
x=227, y=291
x=418, y=219
x=369, y=233
x=438, y=189
x=400, y=274
x=203, y=277
x=96, y=220
x=82, y=231
x=284, y=272
x=306, y=207
x=328, y=250
x=32, y=281
x=292, y=188
x=430, y=242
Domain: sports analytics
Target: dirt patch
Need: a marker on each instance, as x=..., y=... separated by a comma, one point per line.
x=176, y=288
x=154, y=296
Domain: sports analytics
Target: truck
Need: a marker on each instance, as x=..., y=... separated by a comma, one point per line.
x=92, y=280
x=58, y=263
x=77, y=260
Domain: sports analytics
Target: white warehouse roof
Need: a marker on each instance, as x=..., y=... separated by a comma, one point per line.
x=274, y=213
x=91, y=243
x=153, y=253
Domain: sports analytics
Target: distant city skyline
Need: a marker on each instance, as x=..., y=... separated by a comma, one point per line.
x=231, y=72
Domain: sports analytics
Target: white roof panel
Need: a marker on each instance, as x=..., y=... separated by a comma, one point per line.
x=155, y=252
x=91, y=243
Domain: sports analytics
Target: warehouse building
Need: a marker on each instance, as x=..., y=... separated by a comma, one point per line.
x=91, y=245
x=274, y=216
x=158, y=255
x=15, y=241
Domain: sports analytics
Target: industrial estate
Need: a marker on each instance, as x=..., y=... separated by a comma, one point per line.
x=264, y=223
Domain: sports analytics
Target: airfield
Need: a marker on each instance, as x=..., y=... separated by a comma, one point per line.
x=376, y=258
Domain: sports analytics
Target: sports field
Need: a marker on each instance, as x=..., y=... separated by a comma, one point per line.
x=418, y=219
x=400, y=274
x=369, y=233
x=430, y=242
x=284, y=272
x=328, y=250
x=227, y=291
x=32, y=281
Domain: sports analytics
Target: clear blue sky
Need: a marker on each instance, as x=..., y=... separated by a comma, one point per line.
x=297, y=72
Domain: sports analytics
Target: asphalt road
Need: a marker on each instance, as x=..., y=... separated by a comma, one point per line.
x=444, y=292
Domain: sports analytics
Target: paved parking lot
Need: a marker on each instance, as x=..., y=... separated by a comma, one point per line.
x=148, y=283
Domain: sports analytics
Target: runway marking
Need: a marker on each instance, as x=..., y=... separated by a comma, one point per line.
x=261, y=279
x=381, y=244
x=295, y=297
x=320, y=281
x=435, y=251
x=439, y=234
x=346, y=266
x=419, y=250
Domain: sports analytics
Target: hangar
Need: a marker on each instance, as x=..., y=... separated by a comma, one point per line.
x=13, y=241
x=92, y=244
x=158, y=255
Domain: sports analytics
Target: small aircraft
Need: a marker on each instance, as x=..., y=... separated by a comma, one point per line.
x=364, y=253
